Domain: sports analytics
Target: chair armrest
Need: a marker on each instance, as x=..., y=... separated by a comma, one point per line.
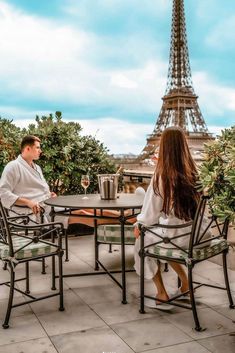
x=169, y=226
x=37, y=226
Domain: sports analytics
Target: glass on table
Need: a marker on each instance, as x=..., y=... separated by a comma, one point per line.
x=85, y=182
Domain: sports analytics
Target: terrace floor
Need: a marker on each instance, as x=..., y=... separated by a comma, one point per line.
x=95, y=321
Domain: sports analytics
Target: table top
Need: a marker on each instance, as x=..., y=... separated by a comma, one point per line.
x=124, y=201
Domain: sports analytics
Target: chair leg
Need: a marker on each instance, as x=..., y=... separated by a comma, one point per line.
x=53, y=287
x=43, y=267
x=27, y=278
x=96, y=246
x=110, y=248
x=66, y=245
x=11, y=296
x=225, y=269
x=5, y=266
x=142, y=311
x=192, y=299
x=123, y=262
x=61, y=290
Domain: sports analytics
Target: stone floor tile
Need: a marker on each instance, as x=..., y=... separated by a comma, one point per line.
x=40, y=284
x=216, y=275
x=219, y=344
x=115, y=312
x=18, y=311
x=88, y=281
x=22, y=328
x=4, y=292
x=215, y=323
x=74, y=318
x=98, y=340
x=50, y=305
x=190, y=347
x=39, y=345
x=76, y=265
x=211, y=296
x=149, y=334
x=101, y=294
x=226, y=311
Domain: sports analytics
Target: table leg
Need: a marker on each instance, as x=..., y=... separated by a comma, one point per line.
x=53, y=287
x=123, y=257
x=96, y=244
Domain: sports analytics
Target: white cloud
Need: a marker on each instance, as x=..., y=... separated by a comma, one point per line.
x=43, y=60
x=215, y=97
x=117, y=135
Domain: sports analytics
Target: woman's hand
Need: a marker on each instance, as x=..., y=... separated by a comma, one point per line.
x=136, y=232
x=53, y=194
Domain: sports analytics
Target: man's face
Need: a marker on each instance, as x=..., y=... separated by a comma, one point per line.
x=34, y=151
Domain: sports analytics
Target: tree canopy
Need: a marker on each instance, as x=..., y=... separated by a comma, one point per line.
x=66, y=153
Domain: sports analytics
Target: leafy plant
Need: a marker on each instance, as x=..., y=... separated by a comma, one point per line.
x=217, y=174
x=10, y=138
x=66, y=154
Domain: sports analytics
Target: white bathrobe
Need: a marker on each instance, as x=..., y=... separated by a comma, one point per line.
x=20, y=180
x=151, y=214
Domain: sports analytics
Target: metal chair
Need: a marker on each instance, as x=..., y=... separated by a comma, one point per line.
x=200, y=248
x=21, y=242
x=16, y=215
x=111, y=234
x=29, y=213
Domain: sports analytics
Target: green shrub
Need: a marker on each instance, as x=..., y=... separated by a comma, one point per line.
x=10, y=138
x=217, y=173
x=67, y=155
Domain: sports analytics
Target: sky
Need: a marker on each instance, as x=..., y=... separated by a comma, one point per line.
x=104, y=64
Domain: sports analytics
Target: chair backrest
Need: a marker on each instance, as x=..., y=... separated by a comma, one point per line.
x=5, y=233
x=190, y=235
x=206, y=226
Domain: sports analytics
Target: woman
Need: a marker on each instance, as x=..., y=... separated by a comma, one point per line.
x=170, y=199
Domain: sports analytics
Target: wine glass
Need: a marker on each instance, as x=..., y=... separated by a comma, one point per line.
x=85, y=182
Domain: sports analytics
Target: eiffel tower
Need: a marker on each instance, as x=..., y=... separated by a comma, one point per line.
x=180, y=107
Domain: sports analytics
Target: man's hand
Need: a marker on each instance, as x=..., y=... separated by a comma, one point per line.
x=35, y=207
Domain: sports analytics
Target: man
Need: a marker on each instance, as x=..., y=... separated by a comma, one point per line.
x=23, y=184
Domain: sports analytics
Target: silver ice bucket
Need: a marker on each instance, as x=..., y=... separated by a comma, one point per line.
x=108, y=186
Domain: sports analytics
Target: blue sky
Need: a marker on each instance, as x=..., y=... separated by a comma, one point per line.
x=104, y=63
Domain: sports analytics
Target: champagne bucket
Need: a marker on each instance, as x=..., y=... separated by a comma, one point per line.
x=108, y=186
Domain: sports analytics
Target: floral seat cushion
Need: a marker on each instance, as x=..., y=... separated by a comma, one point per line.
x=112, y=234
x=201, y=253
x=29, y=249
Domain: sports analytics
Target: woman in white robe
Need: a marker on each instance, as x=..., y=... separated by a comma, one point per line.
x=170, y=199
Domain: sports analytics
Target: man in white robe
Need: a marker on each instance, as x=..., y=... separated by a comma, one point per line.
x=22, y=183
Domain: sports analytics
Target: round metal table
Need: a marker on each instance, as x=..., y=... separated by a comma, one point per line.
x=124, y=202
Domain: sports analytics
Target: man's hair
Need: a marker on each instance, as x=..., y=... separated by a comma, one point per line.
x=28, y=140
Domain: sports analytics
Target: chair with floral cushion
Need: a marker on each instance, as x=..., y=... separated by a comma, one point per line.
x=111, y=234
x=201, y=247
x=21, y=242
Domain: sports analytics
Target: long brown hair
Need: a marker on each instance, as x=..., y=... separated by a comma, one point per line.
x=175, y=175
